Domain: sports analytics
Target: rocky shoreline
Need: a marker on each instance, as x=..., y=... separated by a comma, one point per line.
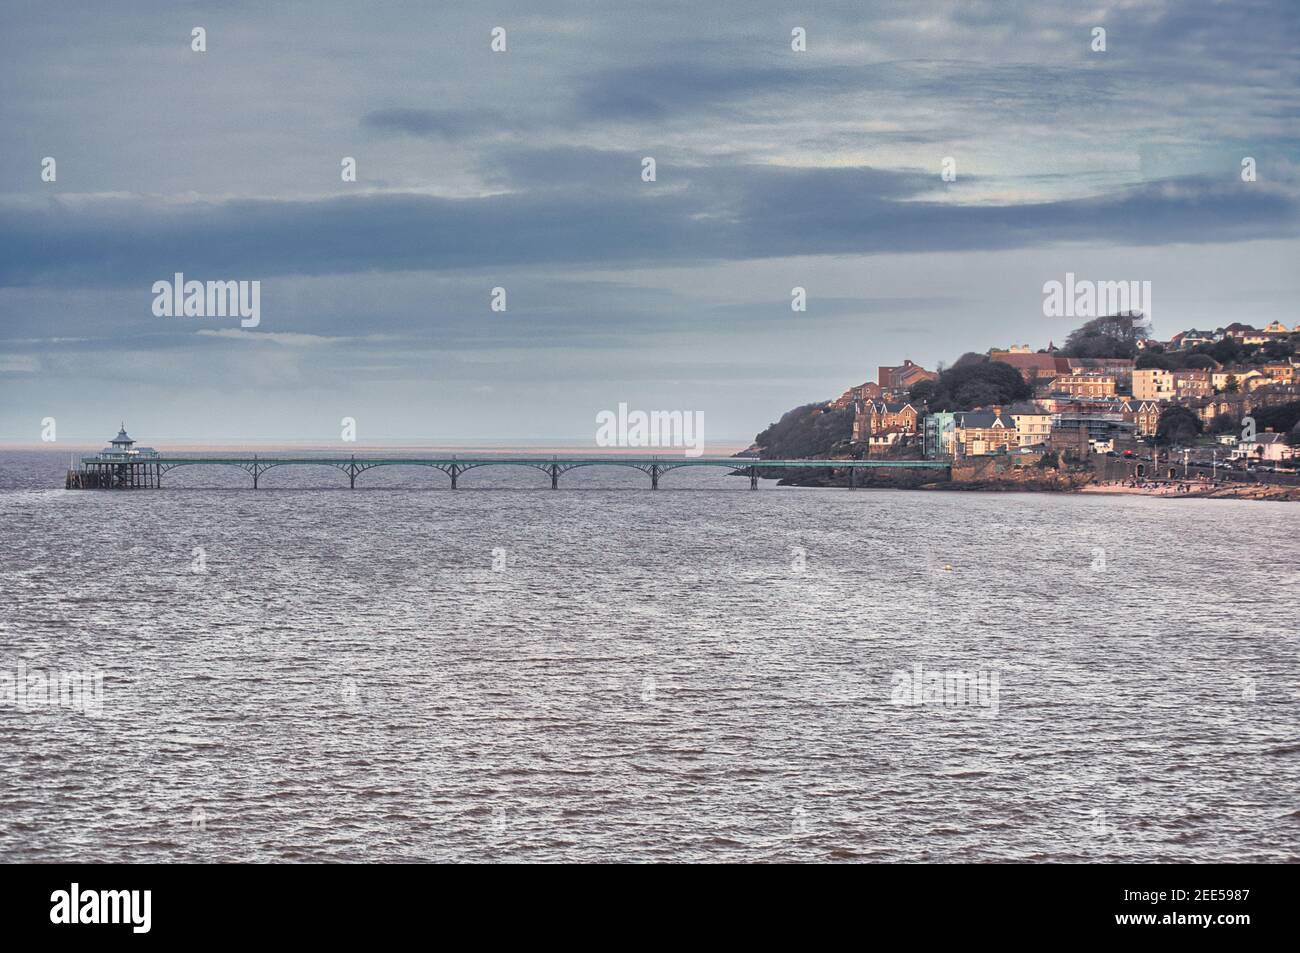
x=1202, y=491
x=1060, y=483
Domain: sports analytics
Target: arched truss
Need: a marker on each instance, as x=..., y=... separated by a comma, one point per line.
x=654, y=468
x=354, y=468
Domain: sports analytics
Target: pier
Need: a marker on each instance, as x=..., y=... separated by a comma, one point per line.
x=122, y=466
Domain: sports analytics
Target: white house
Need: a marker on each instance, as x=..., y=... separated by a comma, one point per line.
x=1266, y=446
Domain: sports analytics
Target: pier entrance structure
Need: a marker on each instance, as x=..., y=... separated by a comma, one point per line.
x=119, y=466
x=115, y=468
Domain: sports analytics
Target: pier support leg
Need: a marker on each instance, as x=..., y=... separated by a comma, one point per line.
x=654, y=476
x=555, y=477
x=753, y=478
x=853, y=478
x=455, y=472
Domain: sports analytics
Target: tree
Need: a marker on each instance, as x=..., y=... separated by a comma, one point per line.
x=1156, y=359
x=1277, y=351
x=1200, y=361
x=970, y=384
x=1225, y=423
x=978, y=393
x=1281, y=417
x=1177, y=425
x=807, y=431
x=1114, y=335
x=970, y=357
x=922, y=392
x=1226, y=351
x=1231, y=385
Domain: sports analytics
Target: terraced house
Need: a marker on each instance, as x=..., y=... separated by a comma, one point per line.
x=1085, y=385
x=1223, y=380
x=1190, y=384
x=874, y=417
x=1153, y=383
x=1033, y=424
x=1120, y=368
x=1144, y=415
x=983, y=432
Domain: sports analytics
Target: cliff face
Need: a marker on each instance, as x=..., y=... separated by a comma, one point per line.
x=810, y=431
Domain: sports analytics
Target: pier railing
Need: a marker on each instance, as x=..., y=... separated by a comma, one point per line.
x=96, y=473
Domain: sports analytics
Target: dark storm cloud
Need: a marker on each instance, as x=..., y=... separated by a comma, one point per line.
x=659, y=91
x=656, y=91
x=432, y=123
x=716, y=214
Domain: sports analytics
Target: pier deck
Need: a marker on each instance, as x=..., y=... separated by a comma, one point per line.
x=97, y=473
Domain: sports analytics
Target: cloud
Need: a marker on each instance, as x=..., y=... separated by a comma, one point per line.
x=445, y=124
x=287, y=338
x=711, y=214
x=19, y=364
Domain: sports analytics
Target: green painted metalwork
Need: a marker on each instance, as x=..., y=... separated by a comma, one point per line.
x=736, y=463
x=455, y=465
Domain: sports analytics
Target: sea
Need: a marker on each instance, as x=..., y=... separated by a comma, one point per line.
x=511, y=673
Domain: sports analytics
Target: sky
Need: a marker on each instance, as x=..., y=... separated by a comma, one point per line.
x=523, y=170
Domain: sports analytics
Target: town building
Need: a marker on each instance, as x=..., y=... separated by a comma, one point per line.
x=981, y=433
x=1144, y=415
x=862, y=392
x=1270, y=395
x=1281, y=373
x=1266, y=447
x=883, y=440
x=1084, y=385
x=1210, y=409
x=901, y=378
x=1035, y=368
x=1186, y=340
x=1120, y=368
x=875, y=416
x=939, y=434
x=1153, y=383
x=1223, y=380
x=1245, y=334
x=1033, y=424
x=1077, y=422
x=1190, y=384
